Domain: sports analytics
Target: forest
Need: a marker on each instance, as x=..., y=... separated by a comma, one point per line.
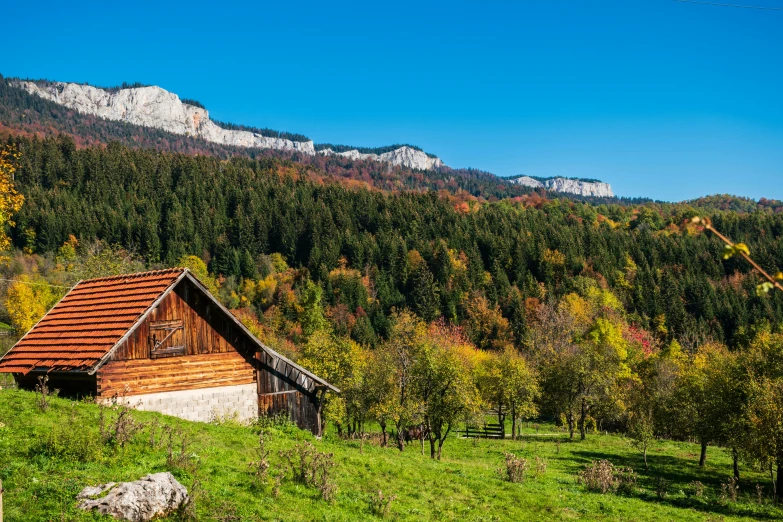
x=427, y=308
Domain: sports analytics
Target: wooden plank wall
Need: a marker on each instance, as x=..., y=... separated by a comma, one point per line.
x=188, y=372
x=284, y=390
x=205, y=329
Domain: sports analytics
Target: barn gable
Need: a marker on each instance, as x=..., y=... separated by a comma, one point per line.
x=161, y=341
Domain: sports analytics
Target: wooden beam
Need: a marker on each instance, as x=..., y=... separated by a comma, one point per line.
x=267, y=395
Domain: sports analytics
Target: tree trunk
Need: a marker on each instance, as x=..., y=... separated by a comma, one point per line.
x=646, y=467
x=513, y=427
x=383, y=433
x=502, y=422
x=735, y=458
x=582, y=418
x=432, y=447
x=440, y=446
x=400, y=438
x=703, y=457
x=570, y=419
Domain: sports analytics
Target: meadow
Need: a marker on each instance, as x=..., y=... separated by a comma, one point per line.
x=47, y=457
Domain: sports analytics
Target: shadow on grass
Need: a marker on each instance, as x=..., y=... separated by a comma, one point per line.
x=677, y=472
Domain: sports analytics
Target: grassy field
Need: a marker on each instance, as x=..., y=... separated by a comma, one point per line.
x=47, y=458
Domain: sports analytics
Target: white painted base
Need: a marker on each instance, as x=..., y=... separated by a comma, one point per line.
x=203, y=405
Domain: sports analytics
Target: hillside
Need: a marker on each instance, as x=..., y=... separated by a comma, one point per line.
x=46, y=458
x=148, y=116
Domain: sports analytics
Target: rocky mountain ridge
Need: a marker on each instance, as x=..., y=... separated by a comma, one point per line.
x=156, y=107
x=568, y=186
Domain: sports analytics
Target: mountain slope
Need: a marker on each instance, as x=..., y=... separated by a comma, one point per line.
x=152, y=106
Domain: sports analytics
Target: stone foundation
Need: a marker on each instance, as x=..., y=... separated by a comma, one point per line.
x=202, y=405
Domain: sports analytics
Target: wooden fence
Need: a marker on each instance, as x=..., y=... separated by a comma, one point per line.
x=487, y=431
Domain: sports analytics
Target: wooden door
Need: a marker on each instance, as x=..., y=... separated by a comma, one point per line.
x=167, y=338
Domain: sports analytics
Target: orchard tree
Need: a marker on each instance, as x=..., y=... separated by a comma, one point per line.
x=445, y=385
x=508, y=383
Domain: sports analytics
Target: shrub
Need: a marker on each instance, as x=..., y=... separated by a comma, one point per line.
x=598, y=476
x=380, y=506
x=183, y=459
x=662, y=487
x=312, y=468
x=729, y=490
x=260, y=467
x=602, y=476
x=515, y=468
x=122, y=429
x=540, y=466
x=694, y=489
x=626, y=481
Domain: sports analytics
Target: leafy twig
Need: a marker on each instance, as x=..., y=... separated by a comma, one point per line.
x=731, y=249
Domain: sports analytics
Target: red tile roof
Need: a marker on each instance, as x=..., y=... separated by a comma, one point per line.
x=88, y=322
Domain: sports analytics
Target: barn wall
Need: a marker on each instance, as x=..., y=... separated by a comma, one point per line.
x=203, y=405
x=284, y=390
x=204, y=330
x=142, y=376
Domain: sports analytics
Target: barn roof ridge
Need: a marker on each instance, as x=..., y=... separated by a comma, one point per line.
x=133, y=275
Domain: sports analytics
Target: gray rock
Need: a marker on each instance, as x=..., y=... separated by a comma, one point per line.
x=568, y=186
x=404, y=156
x=155, y=495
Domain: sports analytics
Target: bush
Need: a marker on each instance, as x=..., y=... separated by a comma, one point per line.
x=694, y=489
x=515, y=468
x=662, y=487
x=602, y=476
x=380, y=506
x=730, y=490
x=312, y=468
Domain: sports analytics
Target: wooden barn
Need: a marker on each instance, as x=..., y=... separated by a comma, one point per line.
x=161, y=342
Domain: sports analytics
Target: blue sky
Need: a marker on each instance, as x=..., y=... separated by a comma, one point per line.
x=660, y=98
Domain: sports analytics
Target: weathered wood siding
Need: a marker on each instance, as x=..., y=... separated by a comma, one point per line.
x=282, y=389
x=204, y=328
x=140, y=376
x=205, y=349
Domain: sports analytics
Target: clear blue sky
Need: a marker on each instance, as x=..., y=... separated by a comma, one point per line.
x=662, y=99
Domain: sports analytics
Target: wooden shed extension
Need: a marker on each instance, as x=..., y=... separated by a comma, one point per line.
x=163, y=340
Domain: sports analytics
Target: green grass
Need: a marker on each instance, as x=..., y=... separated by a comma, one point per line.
x=47, y=458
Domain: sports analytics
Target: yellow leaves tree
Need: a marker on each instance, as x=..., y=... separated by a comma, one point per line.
x=509, y=384
x=27, y=301
x=10, y=200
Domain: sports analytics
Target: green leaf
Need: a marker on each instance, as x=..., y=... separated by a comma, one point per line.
x=764, y=288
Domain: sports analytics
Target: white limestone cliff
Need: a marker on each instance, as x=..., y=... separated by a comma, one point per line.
x=568, y=186
x=404, y=156
x=157, y=108
x=161, y=109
